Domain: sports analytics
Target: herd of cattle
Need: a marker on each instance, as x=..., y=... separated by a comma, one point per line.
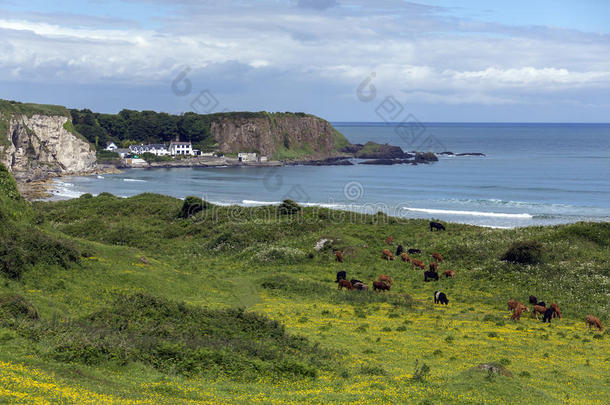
x=431, y=272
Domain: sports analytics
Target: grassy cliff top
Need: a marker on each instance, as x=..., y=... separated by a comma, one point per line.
x=29, y=109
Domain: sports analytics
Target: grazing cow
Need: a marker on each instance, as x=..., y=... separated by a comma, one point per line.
x=385, y=279
x=518, y=311
x=399, y=250
x=432, y=275
x=538, y=309
x=360, y=287
x=512, y=304
x=339, y=256
x=557, y=311
x=440, y=297
x=405, y=257
x=341, y=275
x=548, y=314
x=386, y=254
x=414, y=251
x=378, y=285
x=354, y=281
x=533, y=300
x=389, y=240
x=438, y=257
x=449, y=273
x=436, y=225
x=418, y=263
x=593, y=321
x=344, y=283
x=434, y=267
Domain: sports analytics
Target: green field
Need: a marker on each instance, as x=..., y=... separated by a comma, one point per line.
x=112, y=300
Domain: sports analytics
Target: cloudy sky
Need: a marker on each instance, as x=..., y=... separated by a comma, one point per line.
x=345, y=60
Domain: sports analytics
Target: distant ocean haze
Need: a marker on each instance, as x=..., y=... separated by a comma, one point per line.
x=532, y=174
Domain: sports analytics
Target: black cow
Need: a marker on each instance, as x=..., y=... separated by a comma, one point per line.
x=548, y=315
x=541, y=303
x=341, y=275
x=440, y=297
x=399, y=250
x=414, y=251
x=533, y=300
x=354, y=281
x=430, y=275
x=436, y=225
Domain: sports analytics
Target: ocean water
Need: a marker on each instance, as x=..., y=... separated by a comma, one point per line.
x=532, y=174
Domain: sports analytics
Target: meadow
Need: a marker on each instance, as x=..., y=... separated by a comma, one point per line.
x=114, y=300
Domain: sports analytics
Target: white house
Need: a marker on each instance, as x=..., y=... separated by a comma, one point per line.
x=111, y=147
x=155, y=149
x=247, y=157
x=180, y=148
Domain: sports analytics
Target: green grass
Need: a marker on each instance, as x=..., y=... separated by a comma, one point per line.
x=233, y=305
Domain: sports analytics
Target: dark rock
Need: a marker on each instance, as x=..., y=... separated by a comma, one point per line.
x=425, y=157
x=388, y=162
x=372, y=150
x=333, y=161
x=470, y=154
x=447, y=153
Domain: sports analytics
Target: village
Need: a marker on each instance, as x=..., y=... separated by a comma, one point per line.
x=135, y=155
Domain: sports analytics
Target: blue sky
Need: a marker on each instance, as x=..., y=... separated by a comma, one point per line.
x=437, y=60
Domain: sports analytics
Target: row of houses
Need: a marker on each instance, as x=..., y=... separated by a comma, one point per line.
x=175, y=149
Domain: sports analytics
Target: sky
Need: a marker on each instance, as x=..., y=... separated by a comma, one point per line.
x=344, y=60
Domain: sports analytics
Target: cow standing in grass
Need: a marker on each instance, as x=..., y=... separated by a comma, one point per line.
x=341, y=275
x=405, y=257
x=344, y=283
x=594, y=321
x=438, y=257
x=399, y=250
x=386, y=254
x=436, y=225
x=518, y=311
x=449, y=273
x=440, y=298
x=339, y=256
x=378, y=285
x=389, y=240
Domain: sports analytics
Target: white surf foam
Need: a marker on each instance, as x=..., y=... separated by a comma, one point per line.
x=470, y=213
x=135, y=180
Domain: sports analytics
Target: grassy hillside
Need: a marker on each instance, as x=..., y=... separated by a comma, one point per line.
x=233, y=305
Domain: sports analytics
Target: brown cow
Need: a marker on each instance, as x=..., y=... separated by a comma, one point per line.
x=438, y=257
x=386, y=254
x=518, y=310
x=512, y=304
x=339, y=256
x=386, y=279
x=557, y=311
x=345, y=283
x=378, y=285
x=389, y=240
x=405, y=257
x=418, y=263
x=593, y=321
x=449, y=273
x=538, y=309
x=434, y=267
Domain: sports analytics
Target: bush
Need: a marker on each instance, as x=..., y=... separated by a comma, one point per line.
x=16, y=306
x=289, y=207
x=524, y=252
x=192, y=206
x=279, y=254
x=178, y=338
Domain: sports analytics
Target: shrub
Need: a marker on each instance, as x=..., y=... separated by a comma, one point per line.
x=179, y=338
x=192, y=206
x=372, y=370
x=420, y=373
x=16, y=306
x=524, y=252
x=279, y=254
x=289, y=207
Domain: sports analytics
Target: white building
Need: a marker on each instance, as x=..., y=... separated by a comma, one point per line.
x=111, y=147
x=247, y=157
x=155, y=149
x=181, y=148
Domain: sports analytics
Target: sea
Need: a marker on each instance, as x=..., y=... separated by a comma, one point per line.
x=531, y=174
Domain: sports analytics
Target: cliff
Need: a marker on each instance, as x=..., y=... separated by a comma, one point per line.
x=281, y=136
x=39, y=141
